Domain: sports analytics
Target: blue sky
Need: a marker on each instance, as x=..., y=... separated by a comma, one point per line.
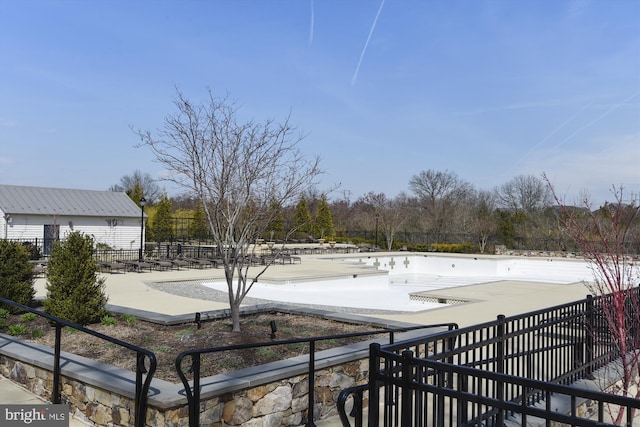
x=486, y=89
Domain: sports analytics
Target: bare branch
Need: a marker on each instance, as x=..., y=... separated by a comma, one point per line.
x=238, y=170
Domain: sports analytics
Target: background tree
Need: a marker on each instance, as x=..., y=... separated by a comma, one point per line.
x=604, y=237
x=323, y=223
x=236, y=169
x=526, y=193
x=138, y=185
x=342, y=214
x=507, y=224
x=198, y=225
x=302, y=221
x=74, y=290
x=482, y=222
x=392, y=214
x=526, y=197
x=439, y=195
x=16, y=274
x=160, y=228
x=276, y=227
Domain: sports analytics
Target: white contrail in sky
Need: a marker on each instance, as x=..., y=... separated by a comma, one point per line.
x=597, y=119
x=312, y=23
x=366, y=44
x=531, y=149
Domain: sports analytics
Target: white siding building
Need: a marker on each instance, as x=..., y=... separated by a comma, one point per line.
x=48, y=214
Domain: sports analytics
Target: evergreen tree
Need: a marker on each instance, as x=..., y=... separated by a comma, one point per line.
x=161, y=227
x=275, y=228
x=16, y=274
x=198, y=228
x=323, y=225
x=507, y=224
x=136, y=193
x=302, y=217
x=74, y=290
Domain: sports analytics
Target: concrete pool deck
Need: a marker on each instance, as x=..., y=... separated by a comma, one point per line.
x=486, y=300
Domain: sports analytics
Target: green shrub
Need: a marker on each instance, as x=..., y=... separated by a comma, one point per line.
x=418, y=247
x=3, y=323
x=37, y=333
x=461, y=248
x=28, y=317
x=16, y=275
x=4, y=313
x=17, y=330
x=74, y=290
x=108, y=320
x=129, y=319
x=32, y=250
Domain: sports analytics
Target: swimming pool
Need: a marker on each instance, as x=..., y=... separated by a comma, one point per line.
x=415, y=273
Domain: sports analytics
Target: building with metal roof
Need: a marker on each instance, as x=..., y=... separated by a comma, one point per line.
x=44, y=215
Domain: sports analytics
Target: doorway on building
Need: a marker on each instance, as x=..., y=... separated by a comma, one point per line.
x=51, y=235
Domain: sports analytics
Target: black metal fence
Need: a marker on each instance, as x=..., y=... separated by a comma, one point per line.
x=144, y=374
x=193, y=390
x=366, y=237
x=480, y=375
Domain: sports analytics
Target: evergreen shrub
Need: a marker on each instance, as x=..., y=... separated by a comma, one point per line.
x=74, y=290
x=16, y=275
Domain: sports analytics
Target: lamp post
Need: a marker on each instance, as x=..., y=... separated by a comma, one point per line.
x=143, y=202
x=377, y=218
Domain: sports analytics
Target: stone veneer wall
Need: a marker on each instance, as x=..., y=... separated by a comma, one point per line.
x=87, y=402
x=502, y=250
x=283, y=402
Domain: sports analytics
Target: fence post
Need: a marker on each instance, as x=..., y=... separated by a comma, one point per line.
x=407, y=401
x=374, y=391
x=589, y=321
x=499, y=365
x=194, y=402
x=311, y=381
x=55, y=394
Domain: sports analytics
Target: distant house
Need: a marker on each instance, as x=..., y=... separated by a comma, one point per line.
x=43, y=215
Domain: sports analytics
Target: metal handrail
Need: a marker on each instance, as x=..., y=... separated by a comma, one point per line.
x=556, y=345
x=193, y=392
x=521, y=405
x=142, y=387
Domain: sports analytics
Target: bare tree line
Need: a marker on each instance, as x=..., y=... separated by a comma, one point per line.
x=440, y=207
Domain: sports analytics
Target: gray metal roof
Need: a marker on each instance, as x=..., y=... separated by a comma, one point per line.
x=16, y=199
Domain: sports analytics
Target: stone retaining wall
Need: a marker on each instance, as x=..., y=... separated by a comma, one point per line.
x=104, y=395
x=88, y=403
x=502, y=250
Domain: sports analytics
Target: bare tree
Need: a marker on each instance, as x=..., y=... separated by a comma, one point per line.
x=482, y=221
x=392, y=213
x=603, y=236
x=239, y=170
x=440, y=194
x=138, y=185
x=526, y=193
x=342, y=214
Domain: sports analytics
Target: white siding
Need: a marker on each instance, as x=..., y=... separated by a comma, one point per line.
x=117, y=233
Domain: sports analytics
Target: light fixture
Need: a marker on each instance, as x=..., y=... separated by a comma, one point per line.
x=274, y=329
x=143, y=202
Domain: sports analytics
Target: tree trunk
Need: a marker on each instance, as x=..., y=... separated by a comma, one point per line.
x=235, y=317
